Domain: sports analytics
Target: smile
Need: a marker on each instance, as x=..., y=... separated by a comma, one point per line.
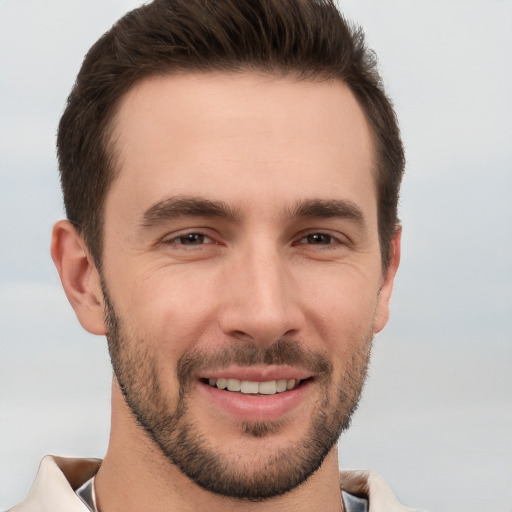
x=258, y=394
x=248, y=387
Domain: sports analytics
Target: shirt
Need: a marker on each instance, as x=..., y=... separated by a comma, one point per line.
x=58, y=478
x=351, y=503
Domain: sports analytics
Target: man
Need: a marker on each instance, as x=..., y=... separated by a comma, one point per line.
x=230, y=173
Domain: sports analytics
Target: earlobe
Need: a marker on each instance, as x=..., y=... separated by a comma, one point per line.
x=79, y=276
x=386, y=289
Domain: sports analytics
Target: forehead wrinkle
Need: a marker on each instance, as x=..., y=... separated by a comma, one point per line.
x=186, y=206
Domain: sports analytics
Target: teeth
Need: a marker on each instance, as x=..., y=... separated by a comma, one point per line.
x=234, y=385
x=270, y=387
x=249, y=387
x=281, y=385
x=267, y=388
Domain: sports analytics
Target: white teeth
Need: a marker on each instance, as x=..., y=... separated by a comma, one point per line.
x=281, y=385
x=249, y=387
x=234, y=385
x=270, y=387
x=267, y=388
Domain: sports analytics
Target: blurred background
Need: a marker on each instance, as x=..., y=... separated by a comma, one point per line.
x=436, y=416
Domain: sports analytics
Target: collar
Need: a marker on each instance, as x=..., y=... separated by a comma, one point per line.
x=351, y=503
x=53, y=489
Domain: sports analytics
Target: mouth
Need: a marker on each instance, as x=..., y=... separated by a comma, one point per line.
x=257, y=394
x=250, y=387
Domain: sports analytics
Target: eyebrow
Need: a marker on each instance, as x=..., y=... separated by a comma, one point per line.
x=189, y=206
x=186, y=206
x=329, y=208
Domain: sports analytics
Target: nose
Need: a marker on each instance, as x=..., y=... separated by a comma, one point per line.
x=259, y=300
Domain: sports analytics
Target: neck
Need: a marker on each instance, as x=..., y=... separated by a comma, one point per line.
x=136, y=476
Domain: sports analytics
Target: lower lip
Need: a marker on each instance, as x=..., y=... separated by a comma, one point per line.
x=255, y=407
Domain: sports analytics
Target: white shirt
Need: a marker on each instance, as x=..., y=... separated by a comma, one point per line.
x=54, y=487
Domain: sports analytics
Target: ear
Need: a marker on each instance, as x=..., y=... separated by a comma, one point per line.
x=79, y=276
x=388, y=279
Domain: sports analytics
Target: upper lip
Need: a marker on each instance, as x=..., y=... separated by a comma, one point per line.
x=256, y=373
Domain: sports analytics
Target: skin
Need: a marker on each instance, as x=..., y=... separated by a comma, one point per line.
x=261, y=145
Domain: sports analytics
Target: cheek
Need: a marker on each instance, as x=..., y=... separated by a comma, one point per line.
x=341, y=315
x=347, y=300
x=171, y=310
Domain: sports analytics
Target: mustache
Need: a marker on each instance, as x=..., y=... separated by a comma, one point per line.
x=280, y=353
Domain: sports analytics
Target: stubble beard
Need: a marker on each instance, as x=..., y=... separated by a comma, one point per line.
x=183, y=443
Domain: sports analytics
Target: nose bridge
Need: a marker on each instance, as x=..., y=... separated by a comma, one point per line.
x=260, y=301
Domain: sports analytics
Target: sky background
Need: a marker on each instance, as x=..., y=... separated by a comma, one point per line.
x=436, y=416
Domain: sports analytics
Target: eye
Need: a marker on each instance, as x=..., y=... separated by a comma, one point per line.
x=191, y=239
x=318, y=239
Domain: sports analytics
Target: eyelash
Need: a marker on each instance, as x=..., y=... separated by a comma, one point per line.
x=183, y=236
x=332, y=241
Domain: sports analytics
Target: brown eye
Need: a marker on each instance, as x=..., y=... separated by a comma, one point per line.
x=192, y=239
x=318, y=239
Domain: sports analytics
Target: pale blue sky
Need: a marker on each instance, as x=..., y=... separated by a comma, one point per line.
x=436, y=418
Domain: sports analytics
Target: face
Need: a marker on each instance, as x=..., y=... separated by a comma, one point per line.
x=241, y=272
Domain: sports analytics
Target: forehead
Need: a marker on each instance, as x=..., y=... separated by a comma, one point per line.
x=241, y=135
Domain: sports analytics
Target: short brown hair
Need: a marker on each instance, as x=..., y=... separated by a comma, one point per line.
x=307, y=38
